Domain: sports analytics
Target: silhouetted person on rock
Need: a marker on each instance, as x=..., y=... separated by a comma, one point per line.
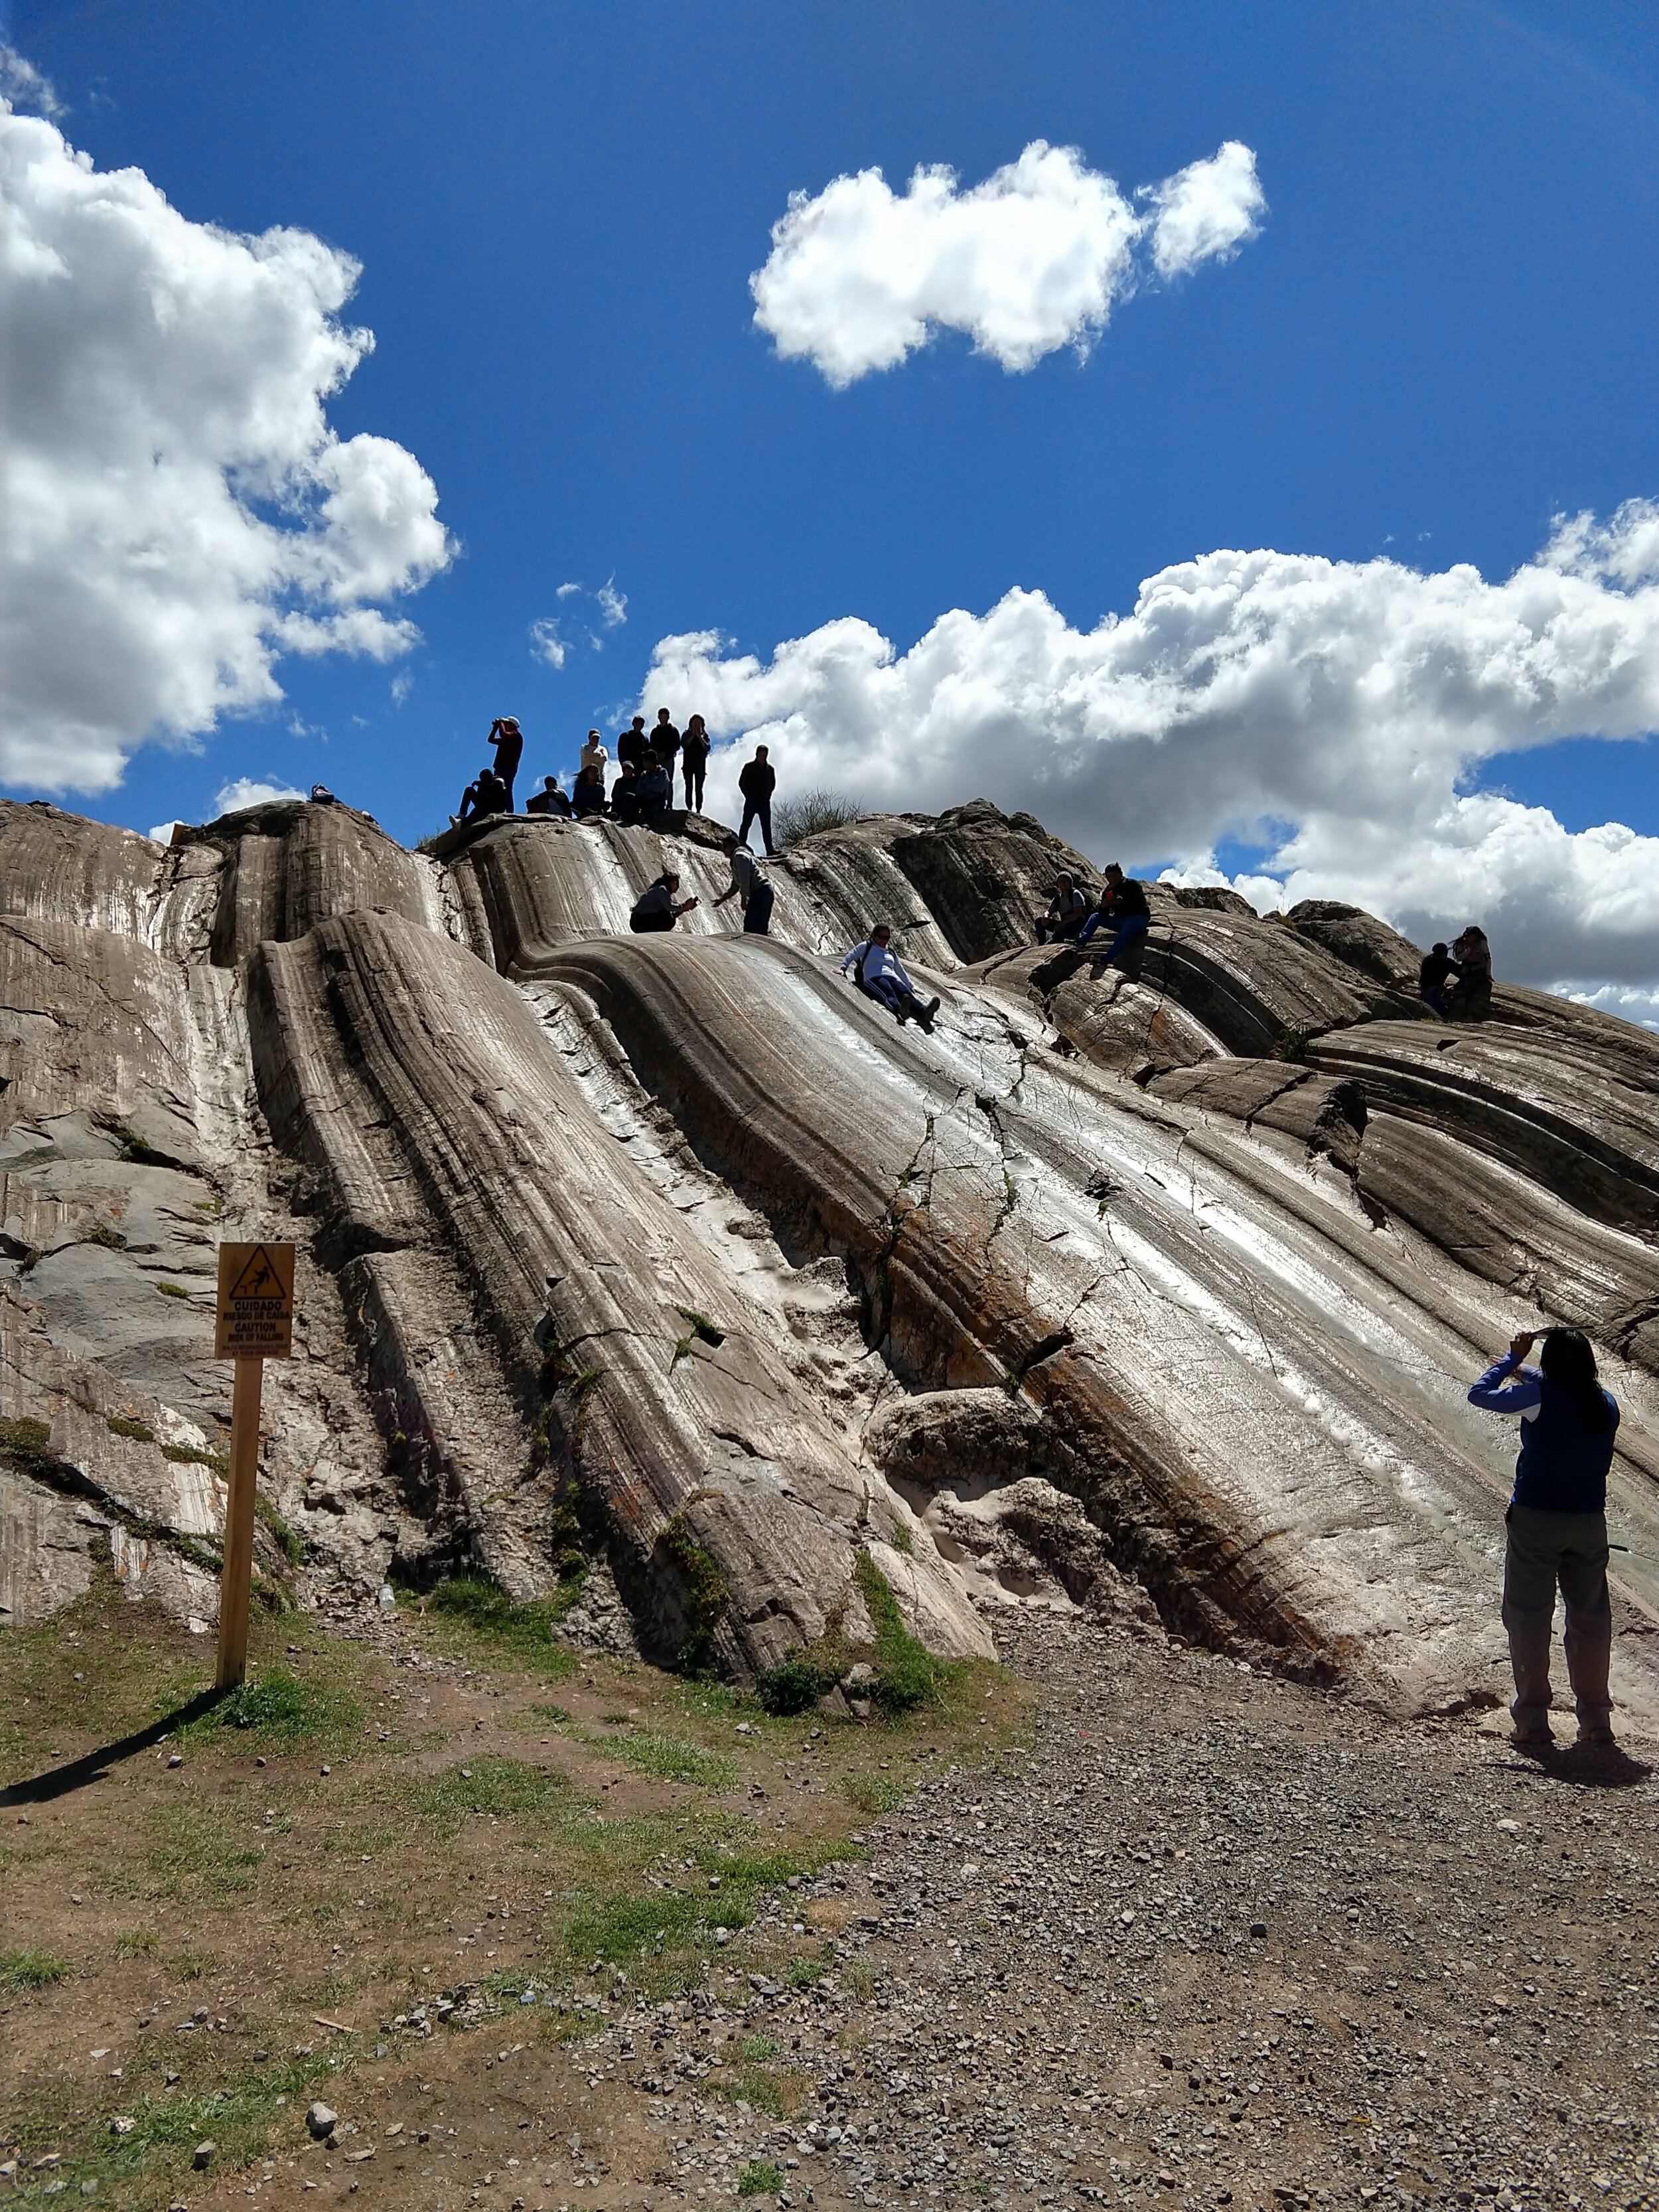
x=487, y=795
x=593, y=754
x=322, y=796
x=694, y=762
x=1066, y=912
x=1123, y=905
x=750, y=882
x=550, y=799
x=630, y=746
x=657, y=908
x=625, y=797
x=1471, y=994
x=589, y=797
x=656, y=789
x=758, y=781
x=880, y=973
x=1431, y=978
x=1558, y=1527
x=508, y=741
x=665, y=743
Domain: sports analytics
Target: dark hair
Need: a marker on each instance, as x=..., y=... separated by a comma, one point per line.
x=1436, y=948
x=1569, y=1362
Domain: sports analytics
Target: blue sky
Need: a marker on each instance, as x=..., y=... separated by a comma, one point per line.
x=1443, y=336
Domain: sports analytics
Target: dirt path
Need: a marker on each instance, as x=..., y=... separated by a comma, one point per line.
x=1213, y=1940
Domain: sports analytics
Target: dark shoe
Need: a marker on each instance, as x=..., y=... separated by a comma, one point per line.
x=1534, y=1737
x=1596, y=1736
x=928, y=1012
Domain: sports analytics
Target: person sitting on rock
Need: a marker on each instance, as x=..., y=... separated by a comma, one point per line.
x=749, y=880
x=880, y=973
x=1471, y=996
x=1066, y=912
x=1431, y=977
x=593, y=754
x=322, y=796
x=487, y=795
x=1123, y=904
x=1557, y=1527
x=656, y=790
x=694, y=762
x=550, y=799
x=589, y=797
x=625, y=797
x=657, y=908
x=630, y=746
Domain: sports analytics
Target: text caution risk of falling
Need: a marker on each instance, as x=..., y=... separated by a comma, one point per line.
x=256, y=1301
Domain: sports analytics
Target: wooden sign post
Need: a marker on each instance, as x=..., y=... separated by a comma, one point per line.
x=256, y=1323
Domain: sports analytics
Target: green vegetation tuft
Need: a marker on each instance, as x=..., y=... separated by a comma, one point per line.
x=282, y=1709
x=191, y=1455
x=111, y=1239
x=794, y=1686
x=135, y=1942
x=907, y=1672
x=504, y=1788
x=27, y=1444
x=760, y=2177
x=31, y=1969
x=901, y=1540
x=703, y=1593
x=811, y=811
x=172, y=1290
x=281, y=1534
x=481, y=1610
x=874, y=1793
x=119, y=1426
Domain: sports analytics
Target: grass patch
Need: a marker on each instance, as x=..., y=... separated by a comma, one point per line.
x=758, y=2049
x=172, y=1290
x=31, y=1969
x=803, y=1973
x=621, y=1928
x=193, y=1965
x=760, y=2177
x=874, y=1793
x=119, y=1426
x=193, y=1456
x=668, y=1757
x=703, y=1594
x=504, y=1788
x=907, y=1672
x=810, y=812
x=754, y=2086
x=135, y=1942
x=283, y=1709
x=480, y=1613
x=794, y=1686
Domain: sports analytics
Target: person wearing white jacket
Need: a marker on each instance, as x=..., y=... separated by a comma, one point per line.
x=880, y=973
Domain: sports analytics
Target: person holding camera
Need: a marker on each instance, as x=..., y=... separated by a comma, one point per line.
x=1557, y=1527
x=508, y=741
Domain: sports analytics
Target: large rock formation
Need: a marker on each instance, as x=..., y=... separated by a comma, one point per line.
x=677, y=1255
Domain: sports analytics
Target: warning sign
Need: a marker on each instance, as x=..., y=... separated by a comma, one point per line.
x=256, y=1301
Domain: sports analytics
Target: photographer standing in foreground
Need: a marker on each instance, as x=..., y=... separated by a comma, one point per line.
x=1557, y=1528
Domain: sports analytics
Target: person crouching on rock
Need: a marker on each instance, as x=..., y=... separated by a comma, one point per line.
x=550, y=799
x=657, y=907
x=1558, y=1527
x=749, y=881
x=879, y=974
x=1122, y=903
x=1066, y=913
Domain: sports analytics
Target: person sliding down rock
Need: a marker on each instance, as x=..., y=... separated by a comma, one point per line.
x=1123, y=904
x=1558, y=1527
x=879, y=974
x=749, y=880
x=1431, y=978
x=657, y=908
x=1065, y=914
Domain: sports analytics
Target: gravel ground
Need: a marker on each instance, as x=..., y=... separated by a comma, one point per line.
x=1211, y=1939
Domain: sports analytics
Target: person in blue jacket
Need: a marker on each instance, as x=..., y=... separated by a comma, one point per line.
x=1558, y=1527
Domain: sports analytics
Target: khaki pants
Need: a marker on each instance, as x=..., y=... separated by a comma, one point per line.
x=1544, y=1550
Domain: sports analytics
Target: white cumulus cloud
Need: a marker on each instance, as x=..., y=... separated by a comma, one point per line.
x=1334, y=712
x=178, y=512
x=252, y=791
x=1033, y=259
x=545, y=643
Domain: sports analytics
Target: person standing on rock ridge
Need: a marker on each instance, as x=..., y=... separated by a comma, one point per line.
x=880, y=974
x=665, y=742
x=694, y=762
x=593, y=754
x=1123, y=903
x=758, y=781
x=508, y=740
x=657, y=908
x=630, y=746
x=749, y=879
x=1557, y=1527
x=1472, y=955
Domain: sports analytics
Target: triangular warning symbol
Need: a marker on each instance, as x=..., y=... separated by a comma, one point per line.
x=258, y=1278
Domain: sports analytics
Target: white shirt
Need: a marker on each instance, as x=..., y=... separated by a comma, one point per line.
x=878, y=960
x=746, y=872
x=594, y=754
